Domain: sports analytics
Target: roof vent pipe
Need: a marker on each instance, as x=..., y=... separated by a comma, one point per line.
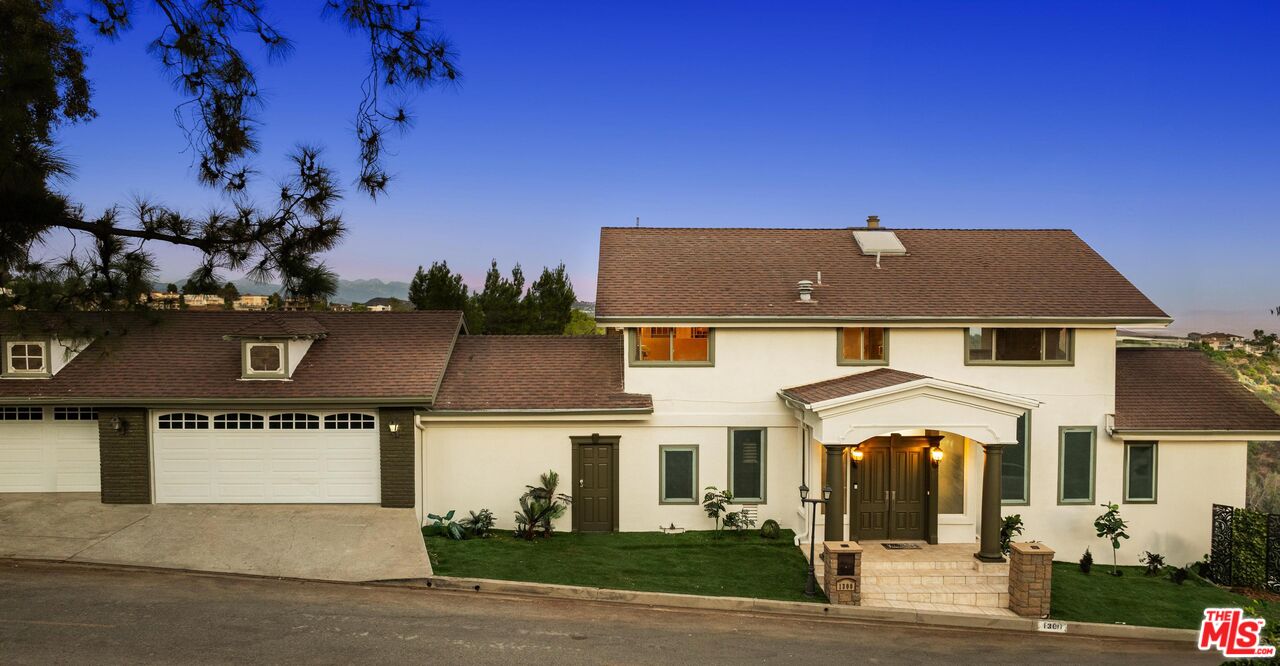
x=806, y=290
x=873, y=221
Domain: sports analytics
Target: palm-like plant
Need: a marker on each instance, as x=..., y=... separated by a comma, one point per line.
x=540, y=505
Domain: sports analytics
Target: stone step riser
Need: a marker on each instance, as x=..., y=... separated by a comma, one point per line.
x=936, y=578
x=978, y=599
x=984, y=567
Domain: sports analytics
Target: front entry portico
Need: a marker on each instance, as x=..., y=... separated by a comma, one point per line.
x=877, y=461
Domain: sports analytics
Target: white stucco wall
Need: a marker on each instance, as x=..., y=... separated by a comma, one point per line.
x=473, y=465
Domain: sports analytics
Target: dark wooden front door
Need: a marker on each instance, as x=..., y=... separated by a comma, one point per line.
x=595, y=484
x=891, y=500
x=872, y=494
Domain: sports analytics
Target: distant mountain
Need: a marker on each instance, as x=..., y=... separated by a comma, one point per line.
x=349, y=291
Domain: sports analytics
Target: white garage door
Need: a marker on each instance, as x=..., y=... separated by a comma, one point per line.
x=45, y=450
x=265, y=457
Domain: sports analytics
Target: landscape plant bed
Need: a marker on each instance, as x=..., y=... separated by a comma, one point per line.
x=733, y=565
x=1135, y=599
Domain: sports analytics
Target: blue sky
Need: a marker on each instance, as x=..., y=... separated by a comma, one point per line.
x=1149, y=128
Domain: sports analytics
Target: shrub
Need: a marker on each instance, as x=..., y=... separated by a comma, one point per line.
x=1112, y=527
x=1010, y=528
x=714, y=502
x=770, y=529
x=1153, y=561
x=480, y=524
x=1249, y=548
x=1086, y=562
x=540, y=505
x=1179, y=575
x=738, y=521
x=445, y=526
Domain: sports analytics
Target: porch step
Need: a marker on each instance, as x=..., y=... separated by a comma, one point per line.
x=872, y=567
x=932, y=577
x=982, y=596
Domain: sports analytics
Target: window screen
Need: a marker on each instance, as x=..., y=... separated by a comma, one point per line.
x=679, y=474
x=1013, y=466
x=746, y=464
x=1140, y=472
x=1076, y=466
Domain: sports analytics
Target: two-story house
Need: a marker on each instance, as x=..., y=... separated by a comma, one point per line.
x=934, y=380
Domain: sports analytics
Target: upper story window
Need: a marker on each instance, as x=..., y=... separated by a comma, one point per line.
x=265, y=360
x=26, y=358
x=1014, y=346
x=672, y=345
x=862, y=345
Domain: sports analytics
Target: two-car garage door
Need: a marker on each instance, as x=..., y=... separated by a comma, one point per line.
x=45, y=450
x=265, y=457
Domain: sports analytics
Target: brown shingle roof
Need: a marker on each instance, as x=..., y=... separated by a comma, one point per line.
x=1182, y=389
x=184, y=356
x=850, y=385
x=654, y=272
x=534, y=372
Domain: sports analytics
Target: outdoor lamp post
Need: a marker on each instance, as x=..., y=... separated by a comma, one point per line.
x=811, y=584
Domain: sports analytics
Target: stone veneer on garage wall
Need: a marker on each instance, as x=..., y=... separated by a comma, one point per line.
x=396, y=457
x=126, y=456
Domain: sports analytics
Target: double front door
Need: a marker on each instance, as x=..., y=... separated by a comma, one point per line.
x=889, y=495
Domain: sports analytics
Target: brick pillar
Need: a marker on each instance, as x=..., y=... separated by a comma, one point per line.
x=398, y=473
x=125, y=455
x=1030, y=579
x=842, y=572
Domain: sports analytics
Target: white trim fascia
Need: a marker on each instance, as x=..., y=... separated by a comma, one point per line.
x=927, y=383
x=786, y=321
x=547, y=415
x=1197, y=435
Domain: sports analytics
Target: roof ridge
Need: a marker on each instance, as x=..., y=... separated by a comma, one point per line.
x=850, y=228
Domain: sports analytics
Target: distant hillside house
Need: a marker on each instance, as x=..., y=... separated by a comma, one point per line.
x=386, y=304
x=251, y=303
x=1218, y=340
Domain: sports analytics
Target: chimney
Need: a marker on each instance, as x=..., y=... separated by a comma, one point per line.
x=806, y=290
x=873, y=221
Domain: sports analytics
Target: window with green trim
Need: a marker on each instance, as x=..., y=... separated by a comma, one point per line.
x=1014, y=463
x=1140, y=472
x=678, y=474
x=1076, y=448
x=1014, y=346
x=747, y=464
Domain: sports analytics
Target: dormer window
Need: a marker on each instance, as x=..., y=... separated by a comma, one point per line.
x=26, y=358
x=265, y=360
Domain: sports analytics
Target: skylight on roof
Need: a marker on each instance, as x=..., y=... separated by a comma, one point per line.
x=879, y=243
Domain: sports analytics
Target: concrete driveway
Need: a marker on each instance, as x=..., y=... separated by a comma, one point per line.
x=342, y=542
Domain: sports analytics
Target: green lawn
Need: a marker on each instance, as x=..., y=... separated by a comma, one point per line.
x=733, y=565
x=1133, y=598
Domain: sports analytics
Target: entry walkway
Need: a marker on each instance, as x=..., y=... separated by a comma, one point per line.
x=945, y=578
x=339, y=542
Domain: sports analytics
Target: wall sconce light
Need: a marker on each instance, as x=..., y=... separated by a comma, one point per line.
x=119, y=425
x=856, y=455
x=936, y=455
x=393, y=428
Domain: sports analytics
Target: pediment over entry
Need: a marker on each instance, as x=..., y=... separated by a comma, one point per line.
x=852, y=409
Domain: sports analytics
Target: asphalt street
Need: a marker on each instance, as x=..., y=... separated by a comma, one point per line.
x=70, y=614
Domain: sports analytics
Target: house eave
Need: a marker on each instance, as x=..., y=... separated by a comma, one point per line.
x=795, y=320
x=930, y=383
x=92, y=401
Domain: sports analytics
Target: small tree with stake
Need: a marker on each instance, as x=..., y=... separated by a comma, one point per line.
x=1112, y=527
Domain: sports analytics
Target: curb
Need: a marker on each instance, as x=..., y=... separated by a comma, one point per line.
x=796, y=609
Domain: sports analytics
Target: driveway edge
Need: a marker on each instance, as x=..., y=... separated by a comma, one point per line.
x=796, y=608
